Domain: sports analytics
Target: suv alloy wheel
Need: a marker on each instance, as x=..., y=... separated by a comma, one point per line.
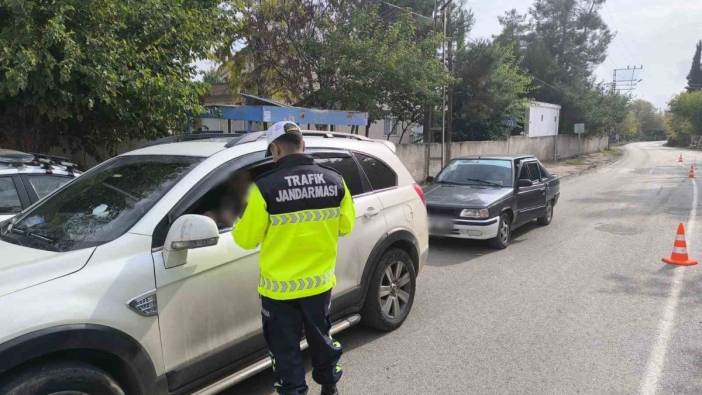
x=74, y=378
x=391, y=291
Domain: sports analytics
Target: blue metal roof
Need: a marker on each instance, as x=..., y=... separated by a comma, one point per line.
x=296, y=114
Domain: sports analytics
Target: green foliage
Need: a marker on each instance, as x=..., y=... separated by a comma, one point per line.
x=684, y=117
x=337, y=55
x=214, y=76
x=648, y=122
x=99, y=73
x=559, y=43
x=629, y=128
x=694, y=79
x=491, y=89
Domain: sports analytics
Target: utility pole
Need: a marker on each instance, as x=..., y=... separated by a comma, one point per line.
x=449, y=126
x=625, y=79
x=441, y=10
x=443, y=88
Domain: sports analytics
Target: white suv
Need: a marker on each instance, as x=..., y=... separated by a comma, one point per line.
x=92, y=302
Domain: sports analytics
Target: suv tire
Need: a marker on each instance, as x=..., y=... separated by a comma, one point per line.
x=60, y=377
x=391, y=291
x=504, y=233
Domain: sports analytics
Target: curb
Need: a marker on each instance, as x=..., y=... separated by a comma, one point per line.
x=594, y=166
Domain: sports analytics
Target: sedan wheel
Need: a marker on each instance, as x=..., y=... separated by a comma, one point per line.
x=504, y=233
x=548, y=215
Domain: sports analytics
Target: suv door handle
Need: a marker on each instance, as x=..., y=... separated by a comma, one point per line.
x=371, y=212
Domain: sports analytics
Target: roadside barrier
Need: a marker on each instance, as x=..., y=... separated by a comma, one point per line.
x=679, y=255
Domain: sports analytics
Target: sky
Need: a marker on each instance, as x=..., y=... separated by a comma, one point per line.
x=658, y=34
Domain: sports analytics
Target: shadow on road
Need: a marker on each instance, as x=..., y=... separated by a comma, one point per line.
x=656, y=284
x=262, y=384
x=447, y=251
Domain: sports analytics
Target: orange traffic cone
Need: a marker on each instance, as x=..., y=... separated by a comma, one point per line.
x=680, y=158
x=691, y=172
x=679, y=255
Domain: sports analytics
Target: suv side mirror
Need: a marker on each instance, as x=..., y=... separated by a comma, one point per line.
x=188, y=232
x=525, y=183
x=430, y=179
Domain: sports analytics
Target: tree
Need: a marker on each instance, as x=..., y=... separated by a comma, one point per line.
x=629, y=127
x=94, y=74
x=694, y=79
x=491, y=89
x=338, y=55
x=514, y=30
x=650, y=122
x=559, y=43
x=684, y=117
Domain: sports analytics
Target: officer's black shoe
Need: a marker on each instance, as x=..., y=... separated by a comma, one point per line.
x=329, y=390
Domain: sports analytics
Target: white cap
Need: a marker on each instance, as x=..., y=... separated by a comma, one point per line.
x=280, y=128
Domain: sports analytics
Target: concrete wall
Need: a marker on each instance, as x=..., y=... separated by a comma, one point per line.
x=567, y=146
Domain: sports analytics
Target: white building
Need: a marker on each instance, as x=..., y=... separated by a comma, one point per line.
x=542, y=119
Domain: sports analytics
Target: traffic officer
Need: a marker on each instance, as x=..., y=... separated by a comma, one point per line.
x=296, y=212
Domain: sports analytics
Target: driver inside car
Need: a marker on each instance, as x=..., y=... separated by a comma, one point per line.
x=231, y=200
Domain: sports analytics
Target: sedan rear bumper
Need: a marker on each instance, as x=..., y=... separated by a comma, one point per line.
x=464, y=229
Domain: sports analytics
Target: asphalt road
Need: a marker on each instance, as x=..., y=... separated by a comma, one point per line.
x=581, y=306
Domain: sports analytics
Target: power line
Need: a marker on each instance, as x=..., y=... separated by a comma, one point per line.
x=627, y=84
x=546, y=83
x=405, y=9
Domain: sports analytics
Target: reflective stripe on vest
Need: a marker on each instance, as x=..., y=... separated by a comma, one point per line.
x=299, y=284
x=304, y=216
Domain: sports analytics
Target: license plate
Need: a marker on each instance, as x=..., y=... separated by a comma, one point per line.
x=440, y=224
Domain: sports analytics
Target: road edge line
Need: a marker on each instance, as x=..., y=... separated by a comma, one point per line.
x=656, y=360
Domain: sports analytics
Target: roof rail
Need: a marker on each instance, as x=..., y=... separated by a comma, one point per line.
x=328, y=134
x=255, y=136
x=246, y=138
x=54, y=160
x=176, y=138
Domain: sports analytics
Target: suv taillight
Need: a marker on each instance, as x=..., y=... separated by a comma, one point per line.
x=420, y=192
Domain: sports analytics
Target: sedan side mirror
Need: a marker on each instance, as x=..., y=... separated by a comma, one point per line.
x=188, y=232
x=525, y=183
x=430, y=179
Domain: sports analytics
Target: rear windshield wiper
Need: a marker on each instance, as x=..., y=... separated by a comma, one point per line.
x=484, y=182
x=449, y=182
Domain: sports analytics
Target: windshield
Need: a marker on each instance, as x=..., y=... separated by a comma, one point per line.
x=100, y=205
x=489, y=172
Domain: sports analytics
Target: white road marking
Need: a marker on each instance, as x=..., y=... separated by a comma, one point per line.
x=656, y=360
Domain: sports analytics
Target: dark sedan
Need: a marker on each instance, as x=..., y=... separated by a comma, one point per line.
x=486, y=197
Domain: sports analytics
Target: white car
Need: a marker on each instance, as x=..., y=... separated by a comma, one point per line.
x=92, y=302
x=26, y=178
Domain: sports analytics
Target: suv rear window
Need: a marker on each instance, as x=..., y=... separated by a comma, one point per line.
x=100, y=205
x=348, y=169
x=380, y=175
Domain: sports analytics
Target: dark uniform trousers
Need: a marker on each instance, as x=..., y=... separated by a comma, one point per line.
x=283, y=325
